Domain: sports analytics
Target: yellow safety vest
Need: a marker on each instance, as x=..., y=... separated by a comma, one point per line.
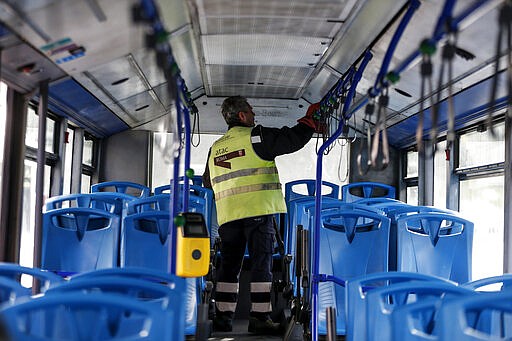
x=244, y=184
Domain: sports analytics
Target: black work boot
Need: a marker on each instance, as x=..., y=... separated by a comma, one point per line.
x=223, y=323
x=263, y=326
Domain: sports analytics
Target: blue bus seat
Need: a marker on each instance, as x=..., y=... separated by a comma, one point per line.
x=357, y=288
x=381, y=302
x=162, y=202
x=352, y=243
x=199, y=191
x=395, y=211
x=144, y=240
x=108, y=317
x=303, y=212
x=78, y=239
x=99, y=200
x=361, y=190
x=169, y=296
x=484, y=316
x=44, y=279
x=161, y=276
x=491, y=284
x=291, y=193
x=436, y=244
x=125, y=187
x=145, y=243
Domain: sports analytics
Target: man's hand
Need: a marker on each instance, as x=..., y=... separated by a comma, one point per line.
x=312, y=118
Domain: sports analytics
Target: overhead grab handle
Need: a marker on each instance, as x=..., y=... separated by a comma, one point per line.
x=381, y=130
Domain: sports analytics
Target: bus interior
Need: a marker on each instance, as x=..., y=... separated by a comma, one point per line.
x=413, y=94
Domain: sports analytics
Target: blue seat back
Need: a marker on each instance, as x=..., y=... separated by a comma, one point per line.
x=126, y=187
x=169, y=296
x=100, y=200
x=195, y=190
x=93, y=317
x=78, y=239
x=495, y=283
x=145, y=240
x=43, y=278
x=444, y=240
x=361, y=190
x=356, y=290
x=381, y=302
x=145, y=243
x=162, y=202
x=291, y=189
x=478, y=317
x=192, y=287
x=352, y=243
x=395, y=211
x=303, y=213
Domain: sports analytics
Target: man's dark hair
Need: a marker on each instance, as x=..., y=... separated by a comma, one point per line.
x=231, y=107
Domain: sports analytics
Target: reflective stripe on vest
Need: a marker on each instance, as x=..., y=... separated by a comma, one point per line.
x=244, y=184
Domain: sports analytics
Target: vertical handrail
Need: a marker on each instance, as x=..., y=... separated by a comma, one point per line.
x=186, y=161
x=41, y=150
x=318, y=195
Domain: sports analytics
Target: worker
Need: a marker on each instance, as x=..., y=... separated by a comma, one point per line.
x=243, y=174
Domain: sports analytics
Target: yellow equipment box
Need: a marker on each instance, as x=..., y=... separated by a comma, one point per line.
x=193, y=246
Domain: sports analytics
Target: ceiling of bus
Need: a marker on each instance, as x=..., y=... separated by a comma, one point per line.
x=282, y=55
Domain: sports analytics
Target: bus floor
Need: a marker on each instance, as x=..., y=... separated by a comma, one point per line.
x=240, y=333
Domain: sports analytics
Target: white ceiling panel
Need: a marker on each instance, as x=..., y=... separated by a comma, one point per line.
x=263, y=49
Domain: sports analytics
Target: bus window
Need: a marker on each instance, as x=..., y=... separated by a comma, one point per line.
x=3, y=115
x=481, y=201
x=440, y=175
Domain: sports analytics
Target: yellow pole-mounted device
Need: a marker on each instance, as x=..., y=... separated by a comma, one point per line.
x=192, y=245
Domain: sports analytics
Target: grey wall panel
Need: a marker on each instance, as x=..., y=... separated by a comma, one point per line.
x=125, y=157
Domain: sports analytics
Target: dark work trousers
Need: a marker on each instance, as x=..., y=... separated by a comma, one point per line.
x=257, y=233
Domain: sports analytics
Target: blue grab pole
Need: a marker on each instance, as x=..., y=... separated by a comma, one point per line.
x=439, y=33
x=380, y=81
x=175, y=192
x=186, y=120
x=318, y=193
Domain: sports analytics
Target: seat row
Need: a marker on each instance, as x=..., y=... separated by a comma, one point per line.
x=102, y=230
x=411, y=306
x=109, y=304
x=83, y=232
x=370, y=235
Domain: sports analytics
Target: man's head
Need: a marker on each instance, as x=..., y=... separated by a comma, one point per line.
x=237, y=112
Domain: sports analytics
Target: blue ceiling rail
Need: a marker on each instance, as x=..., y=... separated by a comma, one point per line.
x=352, y=78
x=147, y=12
x=439, y=32
x=380, y=81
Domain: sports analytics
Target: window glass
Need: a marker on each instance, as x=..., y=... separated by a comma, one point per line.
x=67, y=162
x=28, y=210
x=412, y=164
x=32, y=131
x=412, y=195
x=481, y=202
x=481, y=148
x=86, y=184
x=440, y=169
x=88, y=152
